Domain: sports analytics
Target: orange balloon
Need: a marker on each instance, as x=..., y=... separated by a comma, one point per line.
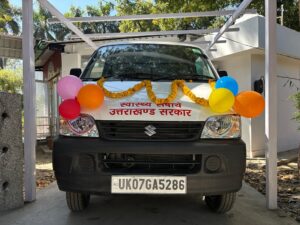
x=90, y=96
x=249, y=104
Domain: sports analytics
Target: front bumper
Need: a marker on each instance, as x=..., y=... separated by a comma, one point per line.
x=79, y=166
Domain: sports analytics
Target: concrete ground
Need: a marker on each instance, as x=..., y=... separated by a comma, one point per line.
x=51, y=209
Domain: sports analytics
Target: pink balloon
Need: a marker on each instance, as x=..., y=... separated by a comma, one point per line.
x=69, y=86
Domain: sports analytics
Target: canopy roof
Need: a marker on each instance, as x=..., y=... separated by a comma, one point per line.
x=10, y=46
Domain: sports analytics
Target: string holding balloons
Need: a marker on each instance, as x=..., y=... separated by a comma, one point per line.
x=77, y=96
x=225, y=96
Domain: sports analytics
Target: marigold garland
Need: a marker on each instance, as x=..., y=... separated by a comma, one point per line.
x=147, y=84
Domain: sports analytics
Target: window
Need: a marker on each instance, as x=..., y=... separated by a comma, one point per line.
x=149, y=61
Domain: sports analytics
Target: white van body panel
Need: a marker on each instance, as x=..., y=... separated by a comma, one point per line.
x=138, y=107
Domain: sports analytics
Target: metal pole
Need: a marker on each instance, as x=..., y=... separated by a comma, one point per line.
x=47, y=5
x=271, y=103
x=241, y=9
x=281, y=13
x=29, y=101
x=150, y=16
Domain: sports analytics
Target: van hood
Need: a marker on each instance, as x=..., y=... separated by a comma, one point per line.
x=139, y=107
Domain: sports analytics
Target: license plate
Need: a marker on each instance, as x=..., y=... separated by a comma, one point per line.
x=148, y=184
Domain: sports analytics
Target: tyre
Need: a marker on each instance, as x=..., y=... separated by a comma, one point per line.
x=221, y=203
x=77, y=201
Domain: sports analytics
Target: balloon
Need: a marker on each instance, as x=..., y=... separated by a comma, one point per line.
x=68, y=87
x=249, y=104
x=90, y=96
x=229, y=83
x=221, y=100
x=69, y=109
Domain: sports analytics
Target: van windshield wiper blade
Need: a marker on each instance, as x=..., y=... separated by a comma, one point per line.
x=198, y=77
x=89, y=79
x=184, y=77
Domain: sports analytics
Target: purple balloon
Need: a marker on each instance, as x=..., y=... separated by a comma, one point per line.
x=68, y=87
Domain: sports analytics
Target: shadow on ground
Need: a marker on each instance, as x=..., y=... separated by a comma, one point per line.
x=51, y=209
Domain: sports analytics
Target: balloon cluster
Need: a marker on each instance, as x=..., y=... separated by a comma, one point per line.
x=76, y=96
x=225, y=96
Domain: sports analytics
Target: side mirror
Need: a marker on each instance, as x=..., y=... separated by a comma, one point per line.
x=259, y=85
x=223, y=73
x=76, y=72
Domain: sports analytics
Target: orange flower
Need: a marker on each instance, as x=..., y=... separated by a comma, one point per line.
x=147, y=84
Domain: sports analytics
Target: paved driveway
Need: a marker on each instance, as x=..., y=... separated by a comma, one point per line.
x=51, y=209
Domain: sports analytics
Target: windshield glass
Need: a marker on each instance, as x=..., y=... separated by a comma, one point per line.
x=148, y=62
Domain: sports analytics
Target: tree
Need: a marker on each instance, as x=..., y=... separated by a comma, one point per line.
x=9, y=22
x=291, y=11
x=102, y=9
x=299, y=11
x=129, y=7
x=10, y=81
x=9, y=17
x=45, y=31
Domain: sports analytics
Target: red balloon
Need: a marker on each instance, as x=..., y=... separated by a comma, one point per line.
x=69, y=109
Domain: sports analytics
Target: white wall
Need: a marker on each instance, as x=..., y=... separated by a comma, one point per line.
x=69, y=61
x=239, y=67
x=288, y=135
x=247, y=68
x=258, y=123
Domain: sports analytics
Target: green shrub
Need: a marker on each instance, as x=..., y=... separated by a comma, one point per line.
x=10, y=81
x=296, y=100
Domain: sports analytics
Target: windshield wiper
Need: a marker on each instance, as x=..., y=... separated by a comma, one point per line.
x=198, y=77
x=90, y=79
x=184, y=77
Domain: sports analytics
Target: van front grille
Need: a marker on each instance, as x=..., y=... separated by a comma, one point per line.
x=150, y=164
x=150, y=131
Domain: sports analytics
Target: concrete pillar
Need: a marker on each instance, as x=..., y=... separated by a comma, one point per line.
x=11, y=151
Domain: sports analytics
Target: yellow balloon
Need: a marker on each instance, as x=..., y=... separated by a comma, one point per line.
x=221, y=100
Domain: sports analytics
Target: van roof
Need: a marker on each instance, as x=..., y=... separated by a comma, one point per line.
x=151, y=42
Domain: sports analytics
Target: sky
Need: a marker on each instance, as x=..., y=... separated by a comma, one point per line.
x=62, y=5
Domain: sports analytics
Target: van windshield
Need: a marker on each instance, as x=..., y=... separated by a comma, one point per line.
x=148, y=62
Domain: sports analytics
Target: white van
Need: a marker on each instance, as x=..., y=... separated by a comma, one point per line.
x=134, y=146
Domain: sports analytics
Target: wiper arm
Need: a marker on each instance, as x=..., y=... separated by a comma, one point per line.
x=198, y=77
x=164, y=77
x=90, y=79
x=184, y=77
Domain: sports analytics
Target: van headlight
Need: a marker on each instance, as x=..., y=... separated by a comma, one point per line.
x=222, y=126
x=83, y=126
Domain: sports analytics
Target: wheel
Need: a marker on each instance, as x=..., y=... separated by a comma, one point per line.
x=77, y=201
x=221, y=203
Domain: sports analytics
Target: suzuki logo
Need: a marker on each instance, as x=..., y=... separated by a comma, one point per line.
x=150, y=130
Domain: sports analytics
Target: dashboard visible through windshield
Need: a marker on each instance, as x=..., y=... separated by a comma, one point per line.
x=148, y=62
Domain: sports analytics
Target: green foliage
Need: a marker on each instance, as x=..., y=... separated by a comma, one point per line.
x=129, y=7
x=9, y=17
x=45, y=31
x=10, y=81
x=296, y=100
x=291, y=11
x=50, y=32
x=101, y=9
